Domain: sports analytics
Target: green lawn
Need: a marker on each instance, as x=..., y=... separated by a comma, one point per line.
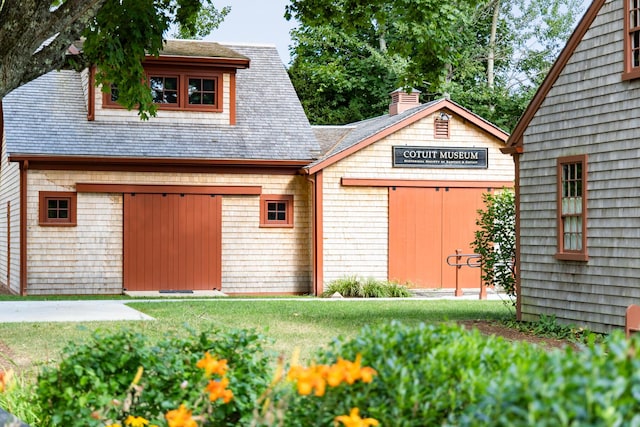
x=304, y=323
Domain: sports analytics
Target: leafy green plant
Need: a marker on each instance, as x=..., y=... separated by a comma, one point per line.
x=355, y=287
x=93, y=374
x=17, y=394
x=495, y=240
x=423, y=374
x=445, y=375
x=548, y=326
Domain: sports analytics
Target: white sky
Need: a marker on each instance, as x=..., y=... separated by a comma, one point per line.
x=256, y=21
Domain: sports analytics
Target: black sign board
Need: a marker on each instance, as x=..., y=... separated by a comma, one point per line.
x=440, y=157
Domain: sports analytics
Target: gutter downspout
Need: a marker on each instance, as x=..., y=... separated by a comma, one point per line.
x=24, y=167
x=316, y=232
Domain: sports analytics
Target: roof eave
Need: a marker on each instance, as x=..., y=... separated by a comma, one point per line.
x=60, y=161
x=435, y=106
x=236, y=63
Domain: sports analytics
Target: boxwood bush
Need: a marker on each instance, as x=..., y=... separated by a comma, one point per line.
x=445, y=375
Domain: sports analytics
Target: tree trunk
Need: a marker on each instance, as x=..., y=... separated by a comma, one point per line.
x=34, y=39
x=492, y=45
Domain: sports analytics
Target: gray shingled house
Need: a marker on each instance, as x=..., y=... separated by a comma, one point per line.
x=229, y=187
x=578, y=176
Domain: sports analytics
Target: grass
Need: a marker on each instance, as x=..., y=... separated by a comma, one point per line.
x=303, y=323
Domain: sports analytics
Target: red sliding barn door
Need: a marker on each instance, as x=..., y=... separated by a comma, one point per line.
x=172, y=242
x=425, y=226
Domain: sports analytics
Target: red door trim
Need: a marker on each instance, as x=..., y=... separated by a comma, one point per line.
x=168, y=189
x=365, y=182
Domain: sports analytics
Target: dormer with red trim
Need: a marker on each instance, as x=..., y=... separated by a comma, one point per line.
x=190, y=81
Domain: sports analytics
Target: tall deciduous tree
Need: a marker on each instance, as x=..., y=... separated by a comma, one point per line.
x=35, y=37
x=488, y=55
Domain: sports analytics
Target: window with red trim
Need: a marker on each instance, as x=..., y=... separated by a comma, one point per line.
x=179, y=89
x=276, y=210
x=632, y=39
x=572, y=208
x=57, y=208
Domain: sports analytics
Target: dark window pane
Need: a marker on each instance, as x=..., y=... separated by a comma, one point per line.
x=271, y=216
x=281, y=216
x=63, y=214
x=171, y=98
x=52, y=204
x=52, y=213
x=194, y=98
x=209, y=85
x=281, y=206
x=157, y=83
x=114, y=93
x=207, y=98
x=171, y=83
x=63, y=204
x=195, y=85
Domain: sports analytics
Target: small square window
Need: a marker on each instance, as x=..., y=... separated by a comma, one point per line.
x=57, y=208
x=276, y=211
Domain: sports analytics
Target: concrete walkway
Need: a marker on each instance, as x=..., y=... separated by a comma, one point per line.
x=112, y=310
x=68, y=311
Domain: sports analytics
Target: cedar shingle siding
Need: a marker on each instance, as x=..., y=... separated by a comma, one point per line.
x=589, y=110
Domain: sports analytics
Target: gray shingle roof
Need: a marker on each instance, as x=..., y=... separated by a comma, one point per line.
x=367, y=128
x=48, y=117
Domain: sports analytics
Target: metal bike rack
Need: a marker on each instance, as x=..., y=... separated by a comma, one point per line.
x=468, y=260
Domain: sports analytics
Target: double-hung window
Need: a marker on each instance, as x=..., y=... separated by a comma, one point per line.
x=631, y=39
x=572, y=208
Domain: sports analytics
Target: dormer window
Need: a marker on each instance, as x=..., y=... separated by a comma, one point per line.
x=179, y=89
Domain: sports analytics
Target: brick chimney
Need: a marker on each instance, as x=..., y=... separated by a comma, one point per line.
x=402, y=101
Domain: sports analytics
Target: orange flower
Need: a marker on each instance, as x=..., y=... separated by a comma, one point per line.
x=309, y=379
x=354, y=420
x=349, y=372
x=366, y=374
x=211, y=365
x=180, y=417
x=132, y=421
x=5, y=378
x=218, y=390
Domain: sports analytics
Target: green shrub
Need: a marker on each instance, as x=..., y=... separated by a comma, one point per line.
x=444, y=375
x=495, y=240
x=354, y=287
x=92, y=375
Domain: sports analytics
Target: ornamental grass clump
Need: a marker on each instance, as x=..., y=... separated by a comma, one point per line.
x=355, y=287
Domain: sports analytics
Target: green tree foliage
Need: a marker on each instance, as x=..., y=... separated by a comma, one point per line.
x=495, y=240
x=488, y=55
x=35, y=37
x=338, y=79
